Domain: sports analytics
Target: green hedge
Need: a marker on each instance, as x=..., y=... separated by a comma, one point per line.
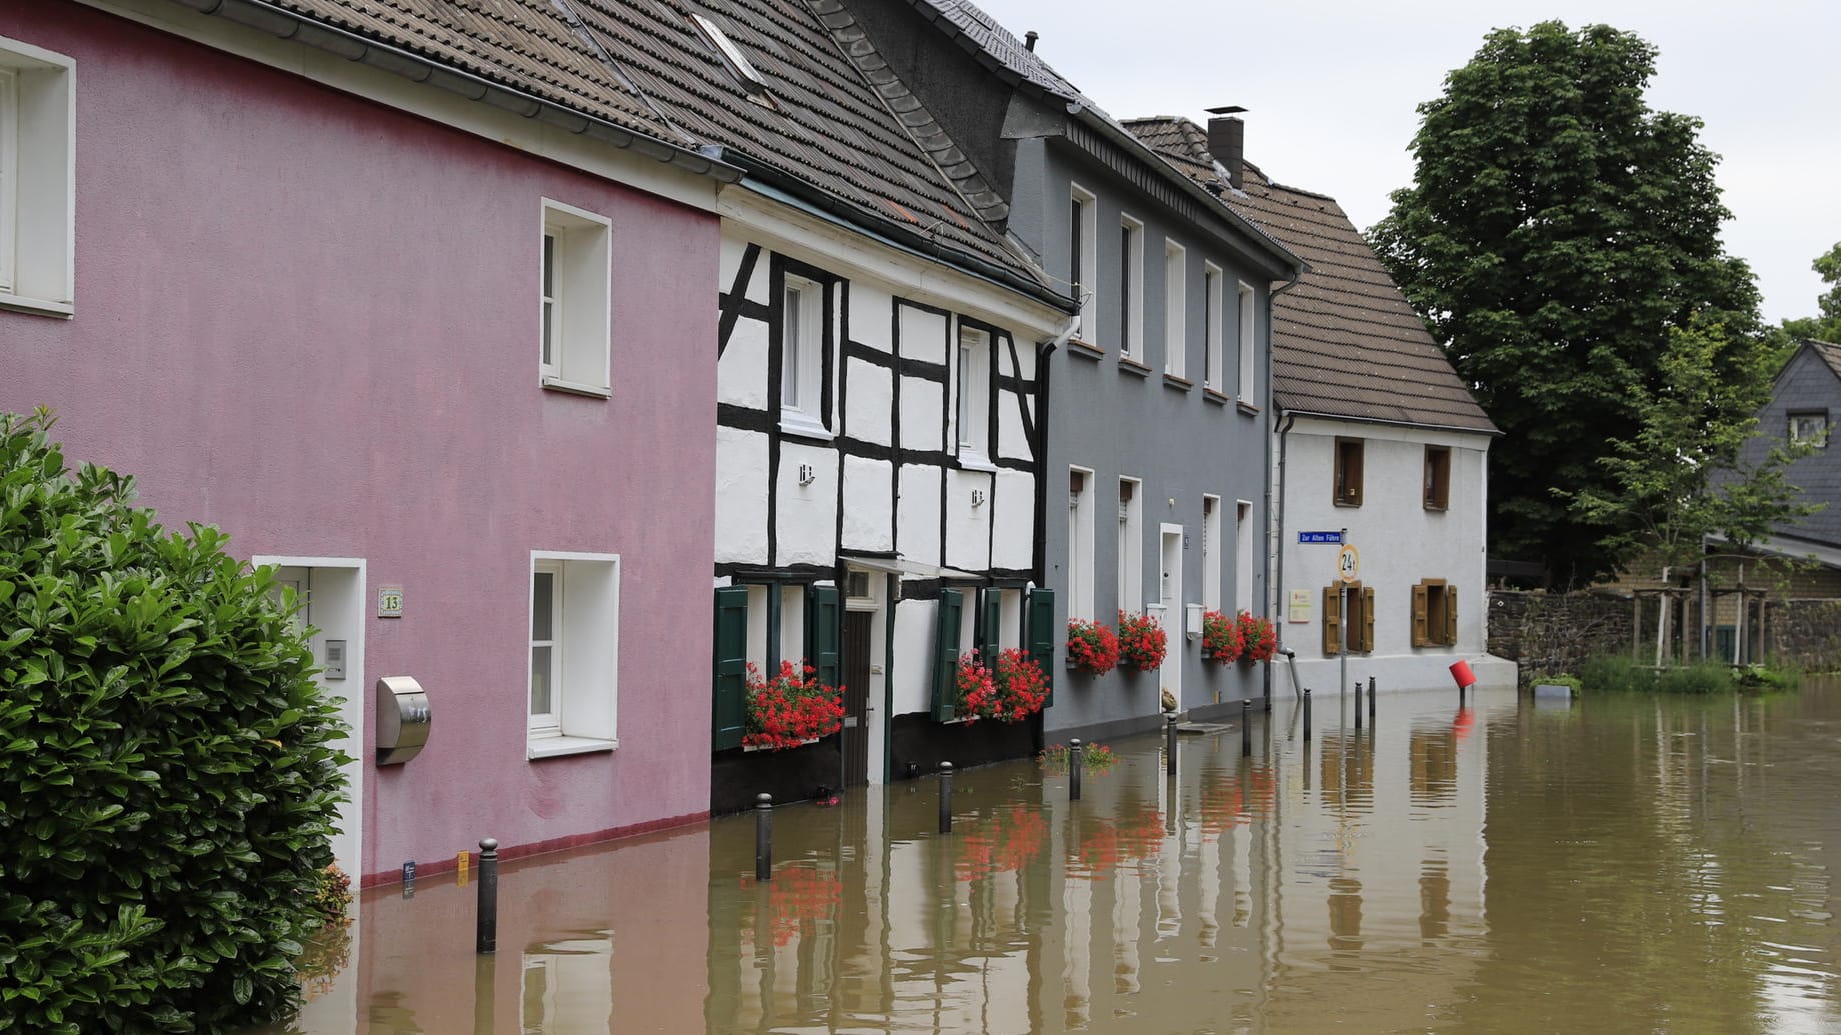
x=168, y=781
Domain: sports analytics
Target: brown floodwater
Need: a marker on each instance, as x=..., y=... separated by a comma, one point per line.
x=1626, y=864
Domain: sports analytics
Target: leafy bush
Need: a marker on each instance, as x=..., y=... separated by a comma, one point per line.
x=1767, y=678
x=168, y=781
x=1615, y=674
x=1706, y=677
x=1571, y=683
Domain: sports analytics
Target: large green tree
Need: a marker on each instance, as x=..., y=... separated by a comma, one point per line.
x=1557, y=229
x=1827, y=326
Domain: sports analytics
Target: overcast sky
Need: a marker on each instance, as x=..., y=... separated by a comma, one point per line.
x=1332, y=87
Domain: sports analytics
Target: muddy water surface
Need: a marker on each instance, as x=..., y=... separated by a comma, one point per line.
x=1626, y=864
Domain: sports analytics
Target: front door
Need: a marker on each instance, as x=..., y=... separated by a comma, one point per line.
x=857, y=628
x=1170, y=595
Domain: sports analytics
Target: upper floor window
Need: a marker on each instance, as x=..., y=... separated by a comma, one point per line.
x=1081, y=266
x=37, y=179
x=1211, y=553
x=575, y=278
x=1248, y=347
x=1348, y=472
x=974, y=389
x=1175, y=309
x=1211, y=326
x=1809, y=428
x=1437, y=477
x=802, y=356
x=1130, y=576
x=1080, y=543
x=1131, y=289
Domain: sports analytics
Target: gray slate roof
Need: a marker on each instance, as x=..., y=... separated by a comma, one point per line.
x=642, y=65
x=1345, y=342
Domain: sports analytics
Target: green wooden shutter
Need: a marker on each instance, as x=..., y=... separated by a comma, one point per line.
x=946, y=653
x=824, y=629
x=729, y=710
x=1043, y=635
x=990, y=625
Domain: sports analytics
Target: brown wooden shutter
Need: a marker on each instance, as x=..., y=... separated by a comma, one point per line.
x=1368, y=620
x=1420, y=637
x=1451, y=615
x=1332, y=620
x=1355, y=478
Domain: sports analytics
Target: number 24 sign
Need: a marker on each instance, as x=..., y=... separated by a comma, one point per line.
x=1348, y=563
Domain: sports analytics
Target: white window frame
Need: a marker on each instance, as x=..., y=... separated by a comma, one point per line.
x=1809, y=427
x=586, y=654
x=738, y=62
x=1129, y=580
x=38, y=161
x=1083, y=278
x=1131, y=289
x=1243, y=556
x=1211, y=330
x=802, y=356
x=547, y=723
x=1248, y=343
x=574, y=340
x=1080, y=544
x=1175, y=309
x=1211, y=552
x=972, y=408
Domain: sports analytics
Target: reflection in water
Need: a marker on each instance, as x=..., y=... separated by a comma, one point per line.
x=1645, y=866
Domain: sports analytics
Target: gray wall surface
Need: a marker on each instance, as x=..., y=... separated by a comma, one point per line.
x=1807, y=385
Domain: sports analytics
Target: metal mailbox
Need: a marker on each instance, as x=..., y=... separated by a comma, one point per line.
x=403, y=718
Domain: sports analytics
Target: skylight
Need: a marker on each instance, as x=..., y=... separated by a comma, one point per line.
x=738, y=62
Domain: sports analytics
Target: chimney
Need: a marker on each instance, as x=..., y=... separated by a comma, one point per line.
x=1029, y=40
x=1227, y=143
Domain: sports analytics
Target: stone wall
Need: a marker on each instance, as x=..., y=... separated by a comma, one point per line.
x=1557, y=632
x=1551, y=632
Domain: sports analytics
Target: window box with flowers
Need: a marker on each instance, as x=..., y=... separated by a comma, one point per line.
x=1258, y=638
x=1013, y=692
x=1092, y=646
x=1142, y=642
x=790, y=709
x=1222, y=638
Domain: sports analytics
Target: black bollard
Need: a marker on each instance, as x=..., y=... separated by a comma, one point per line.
x=1169, y=743
x=1358, y=704
x=945, y=797
x=1076, y=762
x=1246, y=729
x=488, y=929
x=1307, y=714
x=763, y=836
x=1370, y=700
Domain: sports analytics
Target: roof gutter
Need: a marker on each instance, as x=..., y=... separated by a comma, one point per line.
x=893, y=231
x=1492, y=431
x=267, y=17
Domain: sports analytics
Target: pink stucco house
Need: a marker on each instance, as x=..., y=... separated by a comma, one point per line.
x=426, y=324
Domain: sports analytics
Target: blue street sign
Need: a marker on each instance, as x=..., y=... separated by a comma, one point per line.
x=1319, y=537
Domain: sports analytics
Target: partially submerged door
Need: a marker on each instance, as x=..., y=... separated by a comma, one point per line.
x=859, y=626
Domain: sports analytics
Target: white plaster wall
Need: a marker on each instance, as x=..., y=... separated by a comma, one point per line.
x=1400, y=541
x=807, y=522
x=918, y=518
x=913, y=670
x=1014, y=545
x=871, y=313
x=1012, y=442
x=732, y=250
x=869, y=517
x=968, y=528
x=741, y=496
x=869, y=402
x=741, y=374
x=923, y=335
x=923, y=423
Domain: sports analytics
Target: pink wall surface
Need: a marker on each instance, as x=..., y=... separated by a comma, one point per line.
x=312, y=321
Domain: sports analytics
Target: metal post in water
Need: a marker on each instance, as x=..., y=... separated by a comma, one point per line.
x=1246, y=729
x=1307, y=713
x=763, y=836
x=1076, y=762
x=945, y=797
x=1358, y=704
x=1370, y=700
x=1169, y=743
x=488, y=928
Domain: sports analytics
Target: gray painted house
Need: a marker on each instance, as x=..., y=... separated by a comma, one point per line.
x=1805, y=400
x=1157, y=404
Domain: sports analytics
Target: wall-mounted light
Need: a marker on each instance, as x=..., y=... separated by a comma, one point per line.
x=807, y=474
x=977, y=497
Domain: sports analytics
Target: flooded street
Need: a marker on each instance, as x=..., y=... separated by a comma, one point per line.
x=1628, y=864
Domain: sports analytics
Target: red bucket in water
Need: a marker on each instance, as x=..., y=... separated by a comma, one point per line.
x=1460, y=671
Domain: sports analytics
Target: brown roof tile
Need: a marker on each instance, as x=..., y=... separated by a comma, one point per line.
x=1345, y=341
